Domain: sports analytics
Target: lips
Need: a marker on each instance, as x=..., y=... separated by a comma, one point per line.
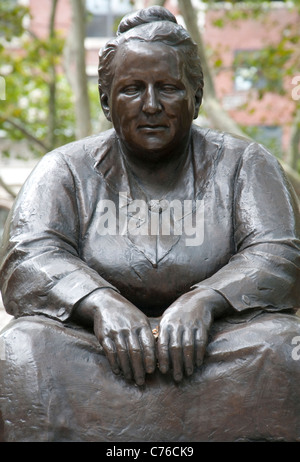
x=151, y=127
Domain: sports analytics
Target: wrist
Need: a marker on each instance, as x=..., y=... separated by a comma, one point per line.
x=215, y=301
x=86, y=309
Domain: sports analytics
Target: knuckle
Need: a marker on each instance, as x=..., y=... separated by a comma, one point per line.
x=175, y=348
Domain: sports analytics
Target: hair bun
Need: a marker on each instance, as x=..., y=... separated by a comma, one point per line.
x=144, y=16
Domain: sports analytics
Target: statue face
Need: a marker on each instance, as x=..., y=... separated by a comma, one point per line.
x=151, y=103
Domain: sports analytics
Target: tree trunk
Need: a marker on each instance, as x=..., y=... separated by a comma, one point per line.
x=294, y=154
x=27, y=134
x=52, y=84
x=7, y=188
x=219, y=118
x=75, y=68
x=157, y=2
x=217, y=115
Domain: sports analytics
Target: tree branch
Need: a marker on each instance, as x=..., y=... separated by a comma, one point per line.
x=218, y=116
x=7, y=188
x=215, y=112
x=189, y=15
x=27, y=134
x=52, y=83
x=75, y=68
x=294, y=154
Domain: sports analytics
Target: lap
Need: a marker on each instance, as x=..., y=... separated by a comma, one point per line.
x=56, y=385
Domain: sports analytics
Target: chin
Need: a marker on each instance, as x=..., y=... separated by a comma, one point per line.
x=156, y=149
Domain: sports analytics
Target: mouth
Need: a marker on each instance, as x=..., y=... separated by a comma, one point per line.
x=151, y=128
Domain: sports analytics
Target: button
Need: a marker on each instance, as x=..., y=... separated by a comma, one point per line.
x=158, y=206
x=61, y=312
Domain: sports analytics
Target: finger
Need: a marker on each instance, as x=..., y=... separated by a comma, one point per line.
x=176, y=354
x=188, y=351
x=148, y=345
x=163, y=351
x=109, y=348
x=200, y=345
x=136, y=359
x=123, y=356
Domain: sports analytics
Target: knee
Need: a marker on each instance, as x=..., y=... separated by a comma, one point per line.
x=280, y=335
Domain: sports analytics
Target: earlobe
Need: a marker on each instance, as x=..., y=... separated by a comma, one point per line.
x=105, y=104
x=198, y=101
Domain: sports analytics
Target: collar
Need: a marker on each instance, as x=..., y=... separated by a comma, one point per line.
x=206, y=147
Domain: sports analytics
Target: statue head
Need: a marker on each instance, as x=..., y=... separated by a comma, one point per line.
x=153, y=24
x=151, y=83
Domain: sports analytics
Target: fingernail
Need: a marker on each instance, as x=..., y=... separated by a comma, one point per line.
x=189, y=371
x=140, y=381
x=150, y=370
x=163, y=369
x=177, y=377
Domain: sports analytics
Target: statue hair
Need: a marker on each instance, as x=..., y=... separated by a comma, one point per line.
x=153, y=24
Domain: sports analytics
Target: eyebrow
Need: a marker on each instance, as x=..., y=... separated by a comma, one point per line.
x=131, y=80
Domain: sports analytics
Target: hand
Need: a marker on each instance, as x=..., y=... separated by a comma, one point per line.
x=124, y=332
x=183, y=331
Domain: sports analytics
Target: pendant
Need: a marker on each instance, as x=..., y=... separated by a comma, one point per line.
x=158, y=206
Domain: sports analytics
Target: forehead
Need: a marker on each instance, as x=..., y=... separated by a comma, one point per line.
x=136, y=58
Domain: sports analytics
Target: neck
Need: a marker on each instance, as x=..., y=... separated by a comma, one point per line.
x=156, y=168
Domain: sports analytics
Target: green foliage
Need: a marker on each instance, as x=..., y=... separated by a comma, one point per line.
x=268, y=66
x=267, y=136
x=28, y=76
x=273, y=62
x=270, y=69
x=11, y=20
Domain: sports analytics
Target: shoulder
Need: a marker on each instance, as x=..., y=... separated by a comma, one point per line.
x=87, y=148
x=76, y=159
x=220, y=139
x=233, y=149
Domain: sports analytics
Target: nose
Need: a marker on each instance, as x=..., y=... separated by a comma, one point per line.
x=151, y=103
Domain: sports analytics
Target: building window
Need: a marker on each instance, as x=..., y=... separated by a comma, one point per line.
x=104, y=15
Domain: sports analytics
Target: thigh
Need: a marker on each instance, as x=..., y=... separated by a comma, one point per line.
x=56, y=385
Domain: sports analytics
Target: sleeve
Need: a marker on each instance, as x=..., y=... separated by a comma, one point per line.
x=264, y=272
x=41, y=271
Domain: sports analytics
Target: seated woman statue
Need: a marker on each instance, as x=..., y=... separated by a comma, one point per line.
x=152, y=270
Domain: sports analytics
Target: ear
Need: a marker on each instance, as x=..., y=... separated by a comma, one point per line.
x=198, y=101
x=105, y=104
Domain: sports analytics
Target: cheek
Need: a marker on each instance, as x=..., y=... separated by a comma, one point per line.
x=183, y=115
x=118, y=112
x=180, y=108
x=125, y=110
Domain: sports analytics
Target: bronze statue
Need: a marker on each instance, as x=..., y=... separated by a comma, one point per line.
x=154, y=227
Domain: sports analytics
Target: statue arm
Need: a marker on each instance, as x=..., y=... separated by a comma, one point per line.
x=264, y=271
x=41, y=271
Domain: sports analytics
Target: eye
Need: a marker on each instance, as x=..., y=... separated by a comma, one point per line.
x=130, y=90
x=168, y=88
